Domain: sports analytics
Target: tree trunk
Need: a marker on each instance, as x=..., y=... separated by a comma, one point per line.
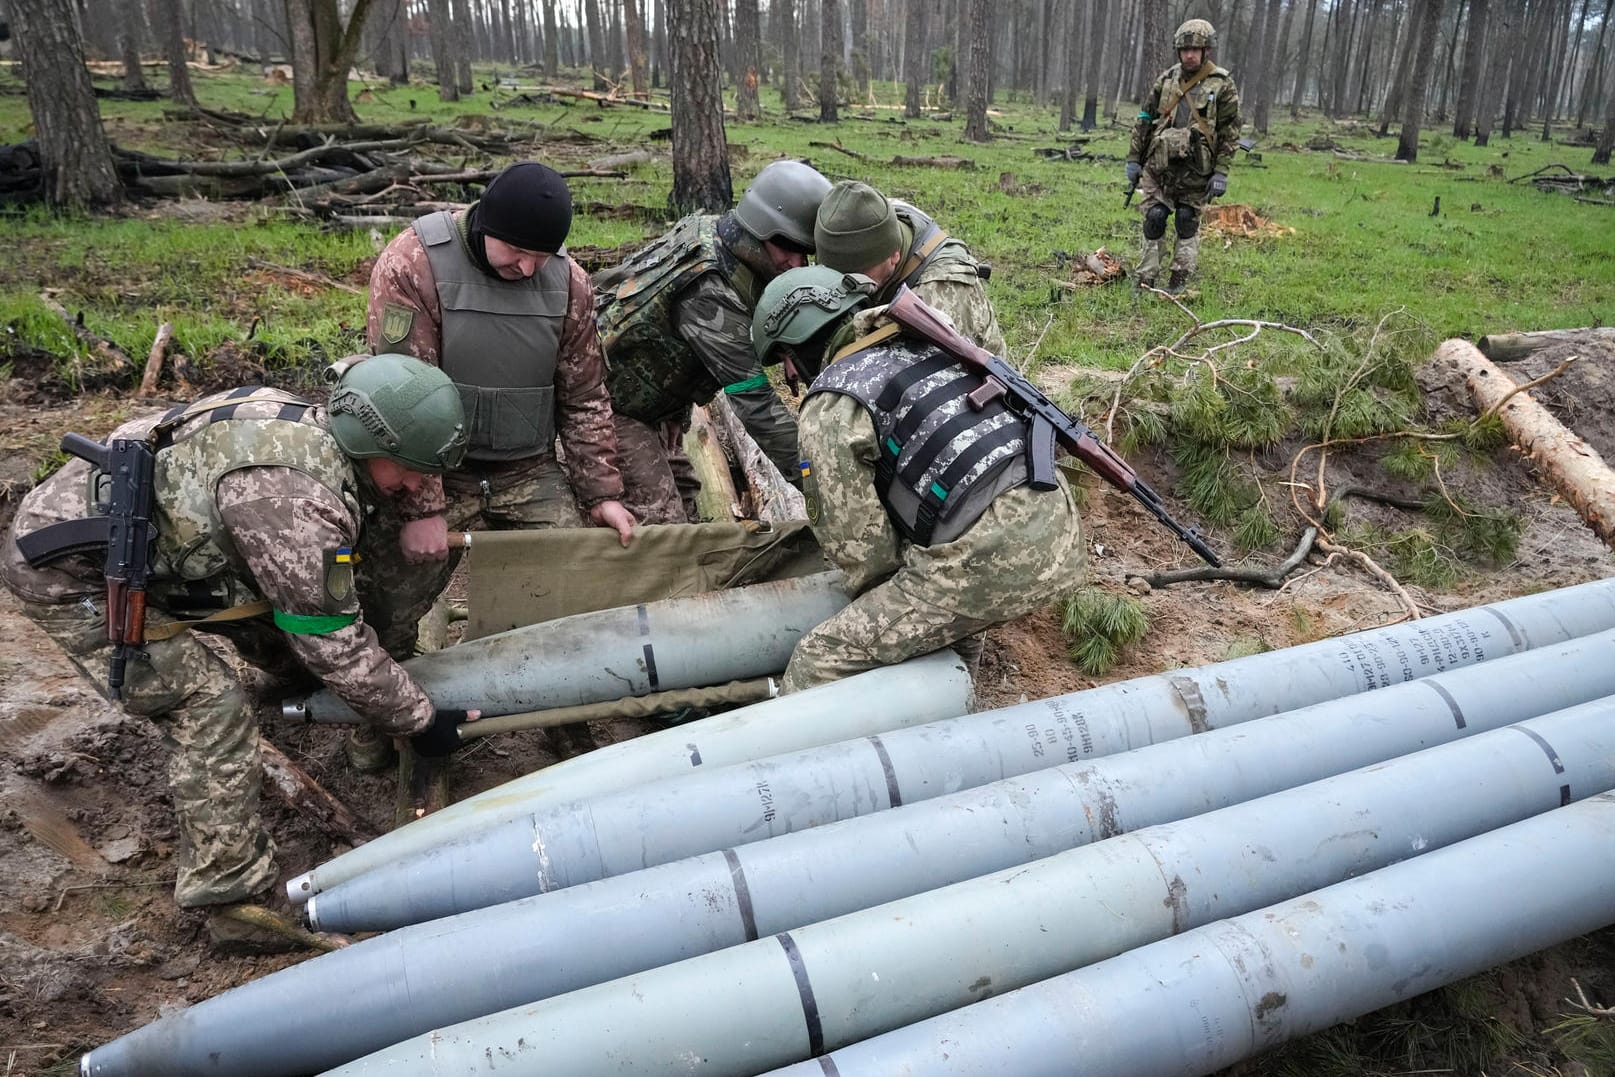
x=916, y=61
x=322, y=53
x=1340, y=52
x=790, y=55
x=1407, y=148
x=633, y=21
x=448, y=87
x=1452, y=51
x=1304, y=61
x=1276, y=66
x=1595, y=69
x=749, y=60
x=1469, y=82
x=1254, y=71
x=1272, y=64
x=860, y=52
x=461, y=26
x=1368, y=57
x=170, y=29
x=1076, y=60
x=597, y=43
x=829, y=58
x=976, y=83
x=552, y=40
x=1155, y=47
x=1606, y=137
x=131, y=32
x=1396, y=96
x=1099, y=47
x=700, y=152
x=1576, y=471
x=77, y=162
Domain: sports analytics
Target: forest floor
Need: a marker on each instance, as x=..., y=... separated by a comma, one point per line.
x=92, y=944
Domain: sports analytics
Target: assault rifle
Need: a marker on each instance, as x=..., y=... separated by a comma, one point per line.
x=123, y=528
x=1047, y=420
x=1131, y=191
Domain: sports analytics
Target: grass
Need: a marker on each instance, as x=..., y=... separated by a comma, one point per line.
x=1499, y=256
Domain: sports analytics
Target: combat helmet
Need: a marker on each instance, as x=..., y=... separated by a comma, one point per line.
x=798, y=303
x=1195, y=34
x=397, y=407
x=782, y=202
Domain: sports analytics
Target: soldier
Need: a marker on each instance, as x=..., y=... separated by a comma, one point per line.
x=489, y=295
x=262, y=505
x=1182, y=145
x=883, y=428
x=677, y=324
x=859, y=230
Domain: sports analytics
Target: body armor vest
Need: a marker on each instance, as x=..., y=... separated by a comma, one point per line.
x=500, y=344
x=933, y=255
x=191, y=545
x=941, y=461
x=1184, y=136
x=653, y=374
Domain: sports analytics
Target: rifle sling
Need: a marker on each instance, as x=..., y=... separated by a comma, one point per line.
x=1206, y=68
x=157, y=633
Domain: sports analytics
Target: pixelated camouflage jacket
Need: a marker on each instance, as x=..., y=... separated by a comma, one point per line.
x=676, y=320
x=948, y=279
x=1210, y=112
x=403, y=281
x=280, y=521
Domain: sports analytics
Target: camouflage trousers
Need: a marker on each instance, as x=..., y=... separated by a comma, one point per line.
x=525, y=495
x=1024, y=553
x=1171, y=192
x=211, y=729
x=659, y=485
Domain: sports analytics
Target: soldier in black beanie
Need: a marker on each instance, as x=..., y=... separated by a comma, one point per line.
x=489, y=294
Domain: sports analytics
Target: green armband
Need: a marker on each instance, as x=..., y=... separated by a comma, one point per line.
x=299, y=624
x=1145, y=116
x=759, y=382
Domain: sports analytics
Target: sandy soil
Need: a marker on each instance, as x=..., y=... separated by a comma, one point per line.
x=92, y=945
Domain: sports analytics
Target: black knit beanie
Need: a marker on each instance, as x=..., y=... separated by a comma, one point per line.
x=527, y=205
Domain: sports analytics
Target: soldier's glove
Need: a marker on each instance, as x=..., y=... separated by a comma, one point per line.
x=1218, y=185
x=1133, y=172
x=442, y=737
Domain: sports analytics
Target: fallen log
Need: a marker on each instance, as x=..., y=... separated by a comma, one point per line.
x=718, y=499
x=772, y=498
x=311, y=798
x=92, y=340
x=1511, y=347
x=944, y=161
x=154, y=360
x=1574, y=468
x=839, y=148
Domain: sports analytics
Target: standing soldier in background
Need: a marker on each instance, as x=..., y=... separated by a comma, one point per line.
x=859, y=230
x=1183, y=143
x=489, y=295
x=262, y=505
x=919, y=497
x=677, y=324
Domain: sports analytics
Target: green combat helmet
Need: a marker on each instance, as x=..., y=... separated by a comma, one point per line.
x=397, y=407
x=1195, y=34
x=782, y=202
x=799, y=303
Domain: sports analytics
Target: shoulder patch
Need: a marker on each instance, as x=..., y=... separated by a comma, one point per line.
x=339, y=590
x=396, y=321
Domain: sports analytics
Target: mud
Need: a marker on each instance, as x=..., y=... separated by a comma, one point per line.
x=92, y=945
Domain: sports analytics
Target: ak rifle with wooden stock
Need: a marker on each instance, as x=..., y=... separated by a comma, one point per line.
x=1048, y=422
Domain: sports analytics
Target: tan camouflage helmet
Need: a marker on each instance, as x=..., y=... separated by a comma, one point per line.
x=1195, y=34
x=397, y=407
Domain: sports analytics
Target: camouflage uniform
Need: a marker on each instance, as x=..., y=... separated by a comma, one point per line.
x=406, y=315
x=1179, y=150
x=694, y=339
x=285, y=502
x=948, y=280
x=1020, y=553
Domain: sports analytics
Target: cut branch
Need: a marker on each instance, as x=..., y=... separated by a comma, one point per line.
x=311, y=798
x=154, y=360
x=92, y=340
x=1509, y=347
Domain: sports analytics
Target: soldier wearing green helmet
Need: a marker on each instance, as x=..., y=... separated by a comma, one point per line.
x=264, y=511
x=919, y=498
x=676, y=320
x=1182, y=147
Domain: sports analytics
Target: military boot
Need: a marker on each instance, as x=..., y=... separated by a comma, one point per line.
x=369, y=751
x=1177, y=282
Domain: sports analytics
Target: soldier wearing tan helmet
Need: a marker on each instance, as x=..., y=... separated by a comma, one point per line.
x=1182, y=147
x=264, y=506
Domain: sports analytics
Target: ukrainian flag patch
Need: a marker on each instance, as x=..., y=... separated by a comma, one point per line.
x=342, y=555
x=805, y=468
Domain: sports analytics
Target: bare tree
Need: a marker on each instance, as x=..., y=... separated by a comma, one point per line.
x=131, y=31
x=1155, y=46
x=700, y=151
x=443, y=46
x=552, y=40
x=597, y=42
x=1407, y=148
x=1098, y=48
x=1490, y=92
x=170, y=30
x=916, y=61
x=829, y=58
x=1304, y=63
x=790, y=55
x=1606, y=137
x=633, y=21
x=1474, y=70
x=461, y=28
x=748, y=59
x=1595, y=69
x=78, y=170
x=977, y=71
